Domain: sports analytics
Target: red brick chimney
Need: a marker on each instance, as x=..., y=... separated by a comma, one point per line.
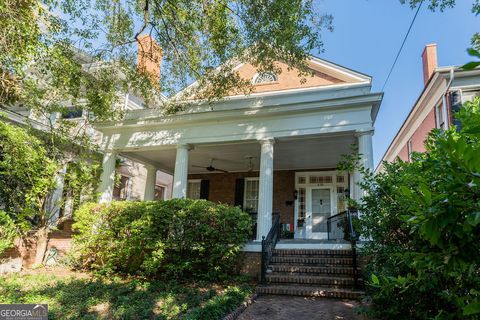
x=429, y=59
x=149, y=57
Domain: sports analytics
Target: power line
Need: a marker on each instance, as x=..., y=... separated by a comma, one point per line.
x=403, y=44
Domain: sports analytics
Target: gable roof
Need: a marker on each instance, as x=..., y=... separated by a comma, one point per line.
x=325, y=73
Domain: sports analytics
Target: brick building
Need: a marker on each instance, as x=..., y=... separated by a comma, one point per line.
x=446, y=88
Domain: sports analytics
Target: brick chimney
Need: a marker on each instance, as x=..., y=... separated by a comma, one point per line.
x=429, y=59
x=149, y=57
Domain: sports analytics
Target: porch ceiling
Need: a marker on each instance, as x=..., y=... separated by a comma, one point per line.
x=292, y=153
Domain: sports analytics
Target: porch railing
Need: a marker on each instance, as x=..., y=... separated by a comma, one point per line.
x=341, y=226
x=268, y=244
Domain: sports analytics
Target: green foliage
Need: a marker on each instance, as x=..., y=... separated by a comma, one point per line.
x=8, y=231
x=423, y=219
x=26, y=176
x=174, y=238
x=42, y=68
x=84, y=297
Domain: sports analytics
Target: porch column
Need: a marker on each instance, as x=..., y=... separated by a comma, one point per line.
x=107, y=179
x=180, y=176
x=53, y=204
x=365, y=150
x=265, y=192
x=150, y=182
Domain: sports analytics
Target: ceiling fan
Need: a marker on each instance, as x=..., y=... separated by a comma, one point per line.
x=210, y=168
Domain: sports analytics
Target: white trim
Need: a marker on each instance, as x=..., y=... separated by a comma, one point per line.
x=334, y=185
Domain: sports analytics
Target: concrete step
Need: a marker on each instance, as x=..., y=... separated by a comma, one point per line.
x=315, y=252
x=309, y=291
x=306, y=260
x=328, y=280
x=313, y=270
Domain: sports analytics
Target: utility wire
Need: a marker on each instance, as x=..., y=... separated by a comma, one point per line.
x=403, y=44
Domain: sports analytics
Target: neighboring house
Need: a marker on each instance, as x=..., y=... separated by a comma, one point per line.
x=274, y=151
x=131, y=175
x=446, y=88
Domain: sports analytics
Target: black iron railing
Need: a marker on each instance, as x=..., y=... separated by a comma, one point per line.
x=341, y=227
x=268, y=244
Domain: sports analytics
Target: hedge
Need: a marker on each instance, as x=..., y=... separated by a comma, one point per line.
x=172, y=238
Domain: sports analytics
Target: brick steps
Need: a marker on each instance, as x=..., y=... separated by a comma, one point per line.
x=348, y=270
x=311, y=273
x=305, y=260
x=310, y=252
x=310, y=291
x=344, y=281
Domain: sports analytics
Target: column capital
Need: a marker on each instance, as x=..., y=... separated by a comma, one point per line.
x=149, y=166
x=364, y=132
x=185, y=146
x=269, y=141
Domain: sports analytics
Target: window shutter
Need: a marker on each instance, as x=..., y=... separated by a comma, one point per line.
x=204, y=189
x=239, y=189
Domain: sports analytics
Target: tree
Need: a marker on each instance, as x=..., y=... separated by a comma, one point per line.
x=423, y=219
x=201, y=40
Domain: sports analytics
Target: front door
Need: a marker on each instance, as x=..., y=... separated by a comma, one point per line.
x=319, y=208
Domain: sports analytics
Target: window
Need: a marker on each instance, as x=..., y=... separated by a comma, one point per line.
x=409, y=149
x=193, y=189
x=72, y=113
x=440, y=118
x=159, y=192
x=470, y=95
x=250, y=198
x=123, y=188
x=301, y=203
x=264, y=77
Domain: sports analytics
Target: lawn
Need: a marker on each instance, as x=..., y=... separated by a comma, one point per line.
x=75, y=295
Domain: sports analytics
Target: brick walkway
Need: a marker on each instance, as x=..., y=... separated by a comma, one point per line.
x=300, y=308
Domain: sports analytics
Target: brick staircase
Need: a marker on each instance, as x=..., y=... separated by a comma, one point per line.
x=311, y=272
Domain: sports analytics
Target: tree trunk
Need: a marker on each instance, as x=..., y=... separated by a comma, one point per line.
x=42, y=243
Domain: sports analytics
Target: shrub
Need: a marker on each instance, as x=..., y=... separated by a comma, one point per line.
x=173, y=238
x=423, y=219
x=27, y=175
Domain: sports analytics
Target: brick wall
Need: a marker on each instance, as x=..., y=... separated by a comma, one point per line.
x=222, y=189
x=419, y=136
x=23, y=254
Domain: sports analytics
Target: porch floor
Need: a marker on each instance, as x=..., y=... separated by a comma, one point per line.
x=256, y=246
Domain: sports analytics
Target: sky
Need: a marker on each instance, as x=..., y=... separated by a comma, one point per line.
x=366, y=38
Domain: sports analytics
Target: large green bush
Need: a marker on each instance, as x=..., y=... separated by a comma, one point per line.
x=423, y=220
x=173, y=238
x=27, y=175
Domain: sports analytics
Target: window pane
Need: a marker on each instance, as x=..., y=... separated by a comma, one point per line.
x=251, y=196
x=193, y=190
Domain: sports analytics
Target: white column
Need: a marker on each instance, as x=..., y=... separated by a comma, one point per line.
x=54, y=201
x=107, y=179
x=365, y=150
x=180, y=176
x=265, y=192
x=150, y=182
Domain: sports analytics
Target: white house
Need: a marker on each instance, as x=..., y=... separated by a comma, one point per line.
x=273, y=151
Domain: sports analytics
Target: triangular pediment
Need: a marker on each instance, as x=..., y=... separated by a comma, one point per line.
x=324, y=74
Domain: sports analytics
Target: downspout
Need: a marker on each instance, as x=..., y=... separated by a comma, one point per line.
x=445, y=109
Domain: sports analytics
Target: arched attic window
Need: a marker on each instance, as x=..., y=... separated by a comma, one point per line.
x=264, y=77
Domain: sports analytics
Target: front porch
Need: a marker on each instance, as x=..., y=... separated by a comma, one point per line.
x=293, y=177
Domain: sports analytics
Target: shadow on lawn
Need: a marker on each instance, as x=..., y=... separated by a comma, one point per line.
x=133, y=299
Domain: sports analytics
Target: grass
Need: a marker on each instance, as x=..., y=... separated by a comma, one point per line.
x=72, y=295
